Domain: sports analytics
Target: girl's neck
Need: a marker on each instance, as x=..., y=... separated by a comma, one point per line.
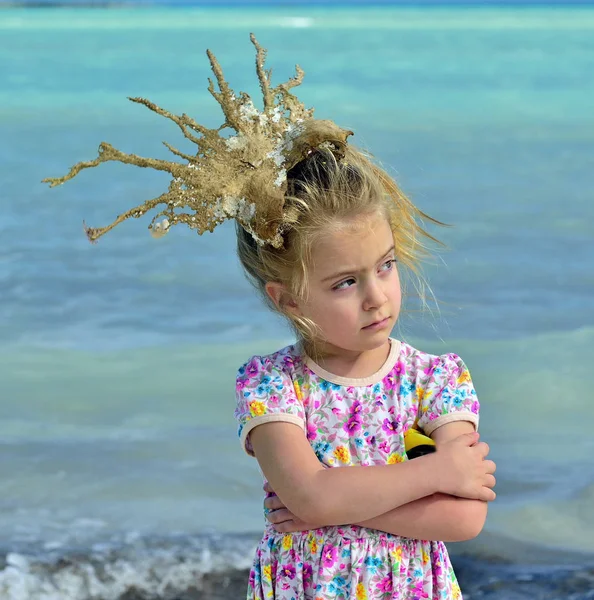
x=351, y=364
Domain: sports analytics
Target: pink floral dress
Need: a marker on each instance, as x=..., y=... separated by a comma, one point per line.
x=353, y=422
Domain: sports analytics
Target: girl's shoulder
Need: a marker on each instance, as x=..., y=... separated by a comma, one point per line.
x=283, y=362
x=418, y=364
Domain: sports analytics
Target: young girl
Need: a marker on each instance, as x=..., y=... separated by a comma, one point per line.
x=324, y=233
x=344, y=395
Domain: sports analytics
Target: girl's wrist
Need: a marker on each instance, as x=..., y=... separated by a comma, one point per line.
x=431, y=473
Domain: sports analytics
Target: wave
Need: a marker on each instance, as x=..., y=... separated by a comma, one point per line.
x=216, y=567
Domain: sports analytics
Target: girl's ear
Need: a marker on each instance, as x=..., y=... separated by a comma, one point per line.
x=282, y=298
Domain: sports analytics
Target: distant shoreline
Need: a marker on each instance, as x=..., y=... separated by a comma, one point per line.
x=242, y=4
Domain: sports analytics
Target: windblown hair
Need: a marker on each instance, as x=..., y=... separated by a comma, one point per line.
x=326, y=194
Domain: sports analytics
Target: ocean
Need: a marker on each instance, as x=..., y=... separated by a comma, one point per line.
x=121, y=475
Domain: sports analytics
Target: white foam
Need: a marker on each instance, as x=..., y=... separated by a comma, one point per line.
x=152, y=569
x=297, y=22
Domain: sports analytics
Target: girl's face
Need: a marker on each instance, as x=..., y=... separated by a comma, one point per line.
x=354, y=288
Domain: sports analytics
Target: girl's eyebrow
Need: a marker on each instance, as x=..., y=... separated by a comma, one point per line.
x=351, y=271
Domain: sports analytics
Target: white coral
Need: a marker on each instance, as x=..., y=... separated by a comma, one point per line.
x=160, y=229
x=248, y=111
x=282, y=177
x=236, y=142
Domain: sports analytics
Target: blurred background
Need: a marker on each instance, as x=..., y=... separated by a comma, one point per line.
x=121, y=475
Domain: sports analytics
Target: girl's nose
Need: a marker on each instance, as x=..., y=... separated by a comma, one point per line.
x=374, y=296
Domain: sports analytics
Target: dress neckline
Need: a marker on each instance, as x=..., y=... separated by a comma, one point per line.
x=372, y=379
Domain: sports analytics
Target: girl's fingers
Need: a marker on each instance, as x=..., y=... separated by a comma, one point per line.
x=267, y=488
x=490, y=481
x=279, y=516
x=490, y=466
x=487, y=495
x=273, y=503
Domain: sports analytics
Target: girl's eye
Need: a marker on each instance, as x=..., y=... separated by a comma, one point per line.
x=344, y=284
x=388, y=265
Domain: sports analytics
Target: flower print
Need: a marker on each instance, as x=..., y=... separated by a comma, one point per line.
x=396, y=554
x=321, y=448
x=352, y=426
x=240, y=384
x=342, y=454
x=313, y=545
x=384, y=447
x=385, y=585
x=458, y=400
x=361, y=593
x=376, y=389
x=433, y=366
x=418, y=589
x=463, y=377
x=257, y=408
x=329, y=556
x=395, y=458
x=287, y=542
x=391, y=426
x=307, y=574
x=287, y=571
x=267, y=573
x=358, y=442
x=372, y=563
x=475, y=407
x=356, y=409
x=327, y=385
x=389, y=381
x=273, y=400
x=422, y=394
x=252, y=369
x=370, y=439
x=406, y=387
x=456, y=593
x=298, y=392
x=312, y=433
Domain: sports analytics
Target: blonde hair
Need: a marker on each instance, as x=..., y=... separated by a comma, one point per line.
x=324, y=195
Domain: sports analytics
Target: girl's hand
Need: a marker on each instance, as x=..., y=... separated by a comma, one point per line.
x=462, y=468
x=282, y=519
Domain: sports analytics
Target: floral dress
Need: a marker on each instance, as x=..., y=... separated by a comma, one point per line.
x=353, y=422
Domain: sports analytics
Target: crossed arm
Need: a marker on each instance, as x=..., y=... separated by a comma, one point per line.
x=435, y=517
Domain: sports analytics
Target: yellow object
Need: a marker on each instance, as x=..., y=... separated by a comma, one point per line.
x=417, y=443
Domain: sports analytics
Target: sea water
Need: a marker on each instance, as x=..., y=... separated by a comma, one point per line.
x=120, y=466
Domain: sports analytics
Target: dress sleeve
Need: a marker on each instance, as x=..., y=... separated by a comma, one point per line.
x=265, y=393
x=448, y=395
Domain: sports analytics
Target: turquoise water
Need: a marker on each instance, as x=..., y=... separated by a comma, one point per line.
x=118, y=360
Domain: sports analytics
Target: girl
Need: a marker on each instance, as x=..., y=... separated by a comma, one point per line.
x=323, y=233
x=345, y=394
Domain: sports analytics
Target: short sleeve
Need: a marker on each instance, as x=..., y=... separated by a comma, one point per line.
x=448, y=395
x=265, y=393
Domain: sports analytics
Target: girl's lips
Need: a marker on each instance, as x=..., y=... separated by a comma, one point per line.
x=378, y=324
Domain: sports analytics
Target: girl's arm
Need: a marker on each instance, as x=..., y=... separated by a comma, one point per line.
x=356, y=494
x=438, y=517
x=435, y=517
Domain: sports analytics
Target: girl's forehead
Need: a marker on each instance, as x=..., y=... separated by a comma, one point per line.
x=358, y=244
